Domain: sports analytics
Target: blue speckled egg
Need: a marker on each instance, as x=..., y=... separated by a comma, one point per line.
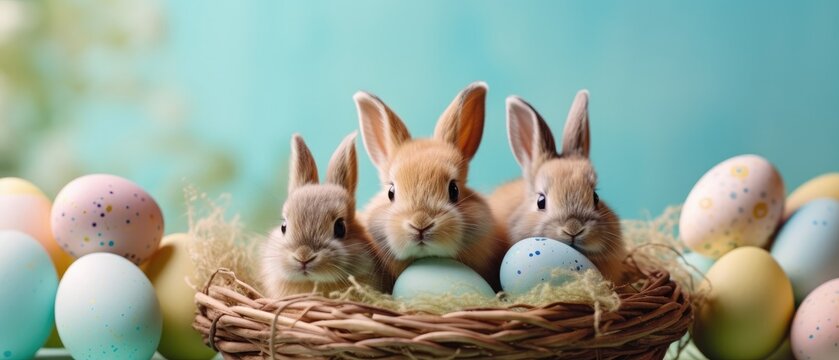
x=531, y=262
x=106, y=308
x=807, y=247
x=28, y=282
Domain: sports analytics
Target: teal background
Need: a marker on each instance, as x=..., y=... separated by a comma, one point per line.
x=676, y=87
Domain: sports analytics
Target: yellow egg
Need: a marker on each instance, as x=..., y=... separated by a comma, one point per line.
x=748, y=309
x=167, y=269
x=825, y=186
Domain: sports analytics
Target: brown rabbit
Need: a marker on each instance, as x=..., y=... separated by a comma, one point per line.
x=556, y=197
x=425, y=208
x=320, y=243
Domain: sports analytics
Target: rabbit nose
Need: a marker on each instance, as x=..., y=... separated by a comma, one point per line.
x=303, y=254
x=420, y=231
x=573, y=228
x=573, y=235
x=420, y=222
x=305, y=260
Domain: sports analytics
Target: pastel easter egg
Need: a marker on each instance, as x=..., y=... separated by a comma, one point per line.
x=106, y=308
x=168, y=270
x=533, y=261
x=28, y=283
x=439, y=276
x=739, y=202
x=825, y=186
x=25, y=208
x=106, y=213
x=815, y=329
x=747, y=309
x=807, y=246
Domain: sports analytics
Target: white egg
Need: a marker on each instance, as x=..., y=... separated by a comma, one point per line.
x=532, y=261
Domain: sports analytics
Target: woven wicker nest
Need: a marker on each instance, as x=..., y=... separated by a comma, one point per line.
x=237, y=321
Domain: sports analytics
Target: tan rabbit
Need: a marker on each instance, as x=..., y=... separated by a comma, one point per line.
x=556, y=197
x=425, y=208
x=320, y=243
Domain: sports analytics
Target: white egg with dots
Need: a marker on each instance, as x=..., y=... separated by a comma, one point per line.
x=534, y=261
x=739, y=202
x=107, y=213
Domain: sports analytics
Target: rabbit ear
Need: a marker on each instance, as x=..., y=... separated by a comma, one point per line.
x=343, y=167
x=530, y=137
x=575, y=136
x=381, y=130
x=462, y=124
x=303, y=170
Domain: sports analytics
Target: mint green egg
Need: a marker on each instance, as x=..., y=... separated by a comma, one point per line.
x=439, y=276
x=28, y=282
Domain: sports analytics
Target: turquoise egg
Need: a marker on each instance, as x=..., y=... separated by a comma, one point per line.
x=532, y=261
x=106, y=308
x=439, y=276
x=807, y=247
x=28, y=282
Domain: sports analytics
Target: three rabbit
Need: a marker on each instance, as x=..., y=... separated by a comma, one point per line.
x=425, y=207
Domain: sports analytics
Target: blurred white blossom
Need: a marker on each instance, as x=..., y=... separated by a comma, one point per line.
x=141, y=21
x=54, y=162
x=167, y=107
x=14, y=17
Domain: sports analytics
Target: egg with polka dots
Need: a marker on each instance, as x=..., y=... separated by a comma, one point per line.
x=533, y=261
x=107, y=213
x=739, y=202
x=815, y=328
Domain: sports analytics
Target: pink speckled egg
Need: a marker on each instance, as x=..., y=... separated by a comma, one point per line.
x=739, y=202
x=815, y=328
x=106, y=213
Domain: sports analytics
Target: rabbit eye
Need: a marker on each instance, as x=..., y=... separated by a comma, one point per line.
x=454, y=192
x=340, y=229
x=391, y=193
x=540, y=202
x=596, y=200
x=283, y=227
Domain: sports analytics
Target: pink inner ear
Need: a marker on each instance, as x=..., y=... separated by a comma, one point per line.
x=575, y=139
x=530, y=136
x=521, y=132
x=462, y=123
x=382, y=130
x=303, y=170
